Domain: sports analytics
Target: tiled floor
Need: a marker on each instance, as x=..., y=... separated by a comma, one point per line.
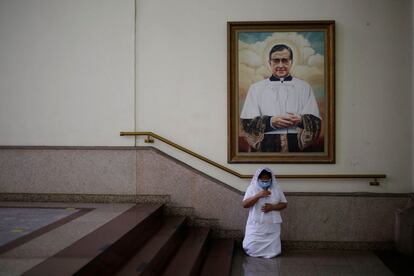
x=305, y=262
x=20, y=259
x=18, y=222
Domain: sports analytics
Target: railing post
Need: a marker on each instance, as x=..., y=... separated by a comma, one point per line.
x=149, y=139
x=374, y=183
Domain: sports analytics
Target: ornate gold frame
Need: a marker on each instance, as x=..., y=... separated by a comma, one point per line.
x=234, y=29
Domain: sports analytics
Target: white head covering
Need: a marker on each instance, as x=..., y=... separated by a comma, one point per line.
x=256, y=216
x=255, y=180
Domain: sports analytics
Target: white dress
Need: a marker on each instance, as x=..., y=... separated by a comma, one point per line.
x=262, y=235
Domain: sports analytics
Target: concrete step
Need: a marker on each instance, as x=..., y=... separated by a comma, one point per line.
x=189, y=257
x=156, y=252
x=219, y=258
x=104, y=250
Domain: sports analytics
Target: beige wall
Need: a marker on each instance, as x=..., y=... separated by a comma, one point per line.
x=412, y=89
x=66, y=72
x=182, y=84
x=67, y=78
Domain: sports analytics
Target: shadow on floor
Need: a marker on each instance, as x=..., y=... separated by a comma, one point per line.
x=399, y=264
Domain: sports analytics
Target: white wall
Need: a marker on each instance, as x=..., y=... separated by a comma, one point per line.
x=412, y=89
x=66, y=72
x=182, y=83
x=67, y=78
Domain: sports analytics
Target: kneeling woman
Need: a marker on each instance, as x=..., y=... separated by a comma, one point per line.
x=265, y=199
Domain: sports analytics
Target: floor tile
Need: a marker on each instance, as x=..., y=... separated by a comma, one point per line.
x=297, y=270
x=337, y=270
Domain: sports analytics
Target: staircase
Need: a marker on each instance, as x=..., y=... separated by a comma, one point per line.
x=143, y=241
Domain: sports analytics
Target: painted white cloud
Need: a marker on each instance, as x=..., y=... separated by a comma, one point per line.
x=250, y=58
x=316, y=61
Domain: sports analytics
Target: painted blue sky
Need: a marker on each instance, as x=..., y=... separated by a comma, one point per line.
x=316, y=39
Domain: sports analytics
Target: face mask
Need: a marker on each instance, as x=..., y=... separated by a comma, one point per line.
x=265, y=184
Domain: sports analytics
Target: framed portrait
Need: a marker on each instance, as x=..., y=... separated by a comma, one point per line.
x=281, y=88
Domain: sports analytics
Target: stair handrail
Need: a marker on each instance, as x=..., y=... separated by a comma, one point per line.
x=151, y=135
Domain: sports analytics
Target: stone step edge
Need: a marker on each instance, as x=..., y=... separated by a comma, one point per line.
x=190, y=255
x=337, y=245
x=154, y=255
x=84, y=198
x=195, y=221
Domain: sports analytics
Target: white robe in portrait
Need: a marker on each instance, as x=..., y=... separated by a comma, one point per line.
x=262, y=235
x=276, y=98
